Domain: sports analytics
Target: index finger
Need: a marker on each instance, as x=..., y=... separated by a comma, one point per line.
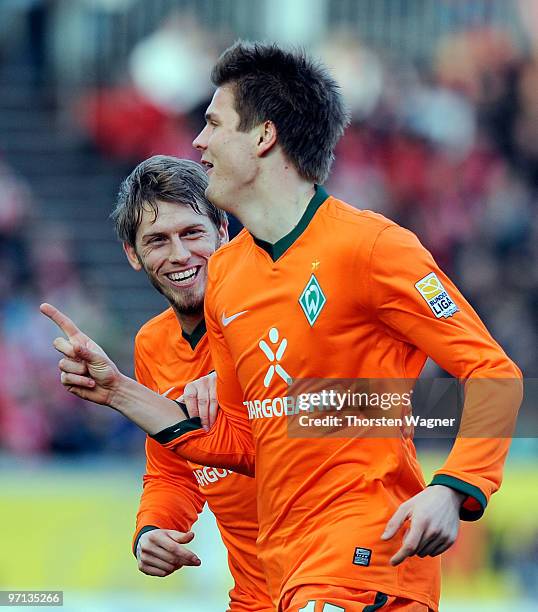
x=410, y=543
x=61, y=320
x=395, y=522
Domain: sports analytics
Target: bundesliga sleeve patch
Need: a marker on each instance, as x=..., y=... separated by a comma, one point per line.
x=432, y=290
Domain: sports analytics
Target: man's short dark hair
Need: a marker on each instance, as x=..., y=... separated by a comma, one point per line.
x=166, y=178
x=294, y=92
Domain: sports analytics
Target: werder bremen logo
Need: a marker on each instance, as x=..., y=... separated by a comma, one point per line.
x=312, y=300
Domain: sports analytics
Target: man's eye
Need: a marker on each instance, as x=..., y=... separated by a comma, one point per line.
x=155, y=239
x=193, y=233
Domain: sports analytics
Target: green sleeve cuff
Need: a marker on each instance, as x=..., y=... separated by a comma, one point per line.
x=466, y=514
x=140, y=534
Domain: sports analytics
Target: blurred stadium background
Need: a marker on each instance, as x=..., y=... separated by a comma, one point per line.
x=444, y=139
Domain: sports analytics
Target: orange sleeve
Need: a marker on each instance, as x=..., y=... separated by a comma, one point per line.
x=228, y=444
x=461, y=345
x=170, y=498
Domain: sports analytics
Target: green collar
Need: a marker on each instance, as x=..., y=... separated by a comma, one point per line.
x=278, y=249
x=197, y=334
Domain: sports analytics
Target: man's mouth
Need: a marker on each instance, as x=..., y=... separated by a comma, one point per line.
x=208, y=166
x=185, y=277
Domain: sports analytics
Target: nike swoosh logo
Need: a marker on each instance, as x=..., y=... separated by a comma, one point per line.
x=227, y=320
x=167, y=392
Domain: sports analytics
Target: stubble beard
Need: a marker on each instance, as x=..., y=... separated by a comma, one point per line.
x=189, y=302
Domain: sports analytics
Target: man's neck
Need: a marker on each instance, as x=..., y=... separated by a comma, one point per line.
x=275, y=208
x=188, y=322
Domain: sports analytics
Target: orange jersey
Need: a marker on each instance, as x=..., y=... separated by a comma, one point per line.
x=175, y=490
x=347, y=294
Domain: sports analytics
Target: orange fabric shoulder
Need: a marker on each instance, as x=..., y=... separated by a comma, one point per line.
x=153, y=330
x=229, y=250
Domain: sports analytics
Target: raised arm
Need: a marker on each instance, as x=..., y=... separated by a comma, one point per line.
x=88, y=372
x=228, y=444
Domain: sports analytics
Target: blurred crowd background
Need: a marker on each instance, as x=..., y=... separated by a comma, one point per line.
x=444, y=140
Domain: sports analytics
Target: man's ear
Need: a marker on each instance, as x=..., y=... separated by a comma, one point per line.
x=222, y=234
x=132, y=257
x=266, y=137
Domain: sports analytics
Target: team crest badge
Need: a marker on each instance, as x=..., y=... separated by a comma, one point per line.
x=312, y=300
x=432, y=290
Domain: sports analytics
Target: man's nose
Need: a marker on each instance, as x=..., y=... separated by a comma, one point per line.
x=178, y=251
x=200, y=142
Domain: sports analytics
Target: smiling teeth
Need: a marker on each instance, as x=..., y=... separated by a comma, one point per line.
x=185, y=275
